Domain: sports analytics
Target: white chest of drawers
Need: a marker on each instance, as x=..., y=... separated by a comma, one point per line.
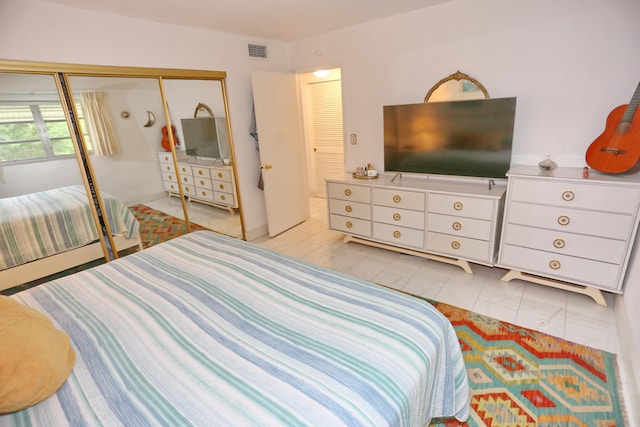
x=450, y=221
x=577, y=232
x=201, y=182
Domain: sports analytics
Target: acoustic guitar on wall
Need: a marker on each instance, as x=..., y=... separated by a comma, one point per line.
x=166, y=144
x=617, y=149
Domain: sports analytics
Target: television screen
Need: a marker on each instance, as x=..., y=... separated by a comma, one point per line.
x=200, y=137
x=463, y=138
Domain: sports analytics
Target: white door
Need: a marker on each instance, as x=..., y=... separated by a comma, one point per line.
x=327, y=135
x=281, y=140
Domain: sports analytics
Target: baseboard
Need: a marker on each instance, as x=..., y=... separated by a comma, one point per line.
x=253, y=234
x=629, y=349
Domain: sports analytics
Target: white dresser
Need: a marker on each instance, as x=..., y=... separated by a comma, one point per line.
x=570, y=232
x=201, y=181
x=450, y=221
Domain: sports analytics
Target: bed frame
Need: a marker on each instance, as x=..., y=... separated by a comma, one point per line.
x=44, y=267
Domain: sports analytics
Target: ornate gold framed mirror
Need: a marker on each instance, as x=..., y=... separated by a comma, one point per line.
x=455, y=87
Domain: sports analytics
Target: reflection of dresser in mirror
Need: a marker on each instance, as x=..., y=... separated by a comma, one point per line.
x=206, y=181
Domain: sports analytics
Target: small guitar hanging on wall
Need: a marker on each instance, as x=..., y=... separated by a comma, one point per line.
x=617, y=149
x=165, y=138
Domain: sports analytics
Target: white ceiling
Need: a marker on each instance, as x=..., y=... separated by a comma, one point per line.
x=285, y=20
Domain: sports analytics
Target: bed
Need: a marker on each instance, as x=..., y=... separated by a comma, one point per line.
x=213, y=331
x=50, y=231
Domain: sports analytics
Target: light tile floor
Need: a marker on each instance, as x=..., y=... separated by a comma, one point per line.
x=572, y=316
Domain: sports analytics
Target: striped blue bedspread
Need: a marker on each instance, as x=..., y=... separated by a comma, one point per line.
x=211, y=331
x=37, y=225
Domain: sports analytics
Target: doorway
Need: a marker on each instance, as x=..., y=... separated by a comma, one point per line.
x=321, y=99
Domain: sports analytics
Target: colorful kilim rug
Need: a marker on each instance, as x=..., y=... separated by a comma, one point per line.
x=157, y=227
x=519, y=377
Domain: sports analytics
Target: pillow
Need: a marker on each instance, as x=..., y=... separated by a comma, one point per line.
x=35, y=357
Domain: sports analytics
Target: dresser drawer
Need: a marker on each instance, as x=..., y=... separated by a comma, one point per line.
x=221, y=174
x=458, y=226
x=205, y=194
x=459, y=247
x=399, y=198
x=350, y=225
x=165, y=157
x=189, y=190
x=591, y=223
x=557, y=266
x=169, y=177
x=597, y=248
x=358, y=193
x=350, y=208
x=460, y=206
x=171, y=187
x=223, y=186
x=203, y=183
x=224, y=198
x=400, y=217
x=167, y=168
x=184, y=169
x=400, y=236
x=199, y=172
x=576, y=195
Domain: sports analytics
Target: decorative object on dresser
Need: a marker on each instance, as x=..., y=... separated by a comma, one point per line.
x=455, y=222
x=167, y=136
x=565, y=231
x=617, y=149
x=201, y=181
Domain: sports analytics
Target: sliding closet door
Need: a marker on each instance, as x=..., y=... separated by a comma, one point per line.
x=38, y=167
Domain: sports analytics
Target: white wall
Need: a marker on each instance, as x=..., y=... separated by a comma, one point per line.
x=38, y=31
x=568, y=63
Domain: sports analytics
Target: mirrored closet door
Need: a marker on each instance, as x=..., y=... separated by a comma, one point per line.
x=138, y=141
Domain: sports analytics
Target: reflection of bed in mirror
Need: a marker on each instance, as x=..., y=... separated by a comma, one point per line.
x=51, y=231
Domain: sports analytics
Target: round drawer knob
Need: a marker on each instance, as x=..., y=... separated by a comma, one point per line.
x=455, y=244
x=204, y=194
x=201, y=182
x=348, y=208
x=397, y=198
x=558, y=243
x=457, y=206
x=186, y=189
x=456, y=226
x=349, y=224
x=171, y=177
x=563, y=220
x=168, y=168
x=568, y=196
x=185, y=179
x=223, y=198
x=554, y=264
x=397, y=234
x=347, y=192
x=221, y=186
x=396, y=216
x=184, y=169
x=200, y=172
x=220, y=175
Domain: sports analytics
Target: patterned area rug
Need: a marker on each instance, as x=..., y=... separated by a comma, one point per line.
x=520, y=377
x=157, y=226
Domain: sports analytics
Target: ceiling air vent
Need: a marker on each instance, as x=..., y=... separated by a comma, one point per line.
x=257, y=51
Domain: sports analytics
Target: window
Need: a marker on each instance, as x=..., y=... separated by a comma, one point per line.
x=35, y=131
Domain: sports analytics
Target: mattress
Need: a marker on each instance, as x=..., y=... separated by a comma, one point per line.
x=37, y=225
x=212, y=331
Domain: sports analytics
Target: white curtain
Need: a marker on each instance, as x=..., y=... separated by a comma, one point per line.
x=97, y=118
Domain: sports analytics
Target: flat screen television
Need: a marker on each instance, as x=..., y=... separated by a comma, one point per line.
x=200, y=137
x=470, y=138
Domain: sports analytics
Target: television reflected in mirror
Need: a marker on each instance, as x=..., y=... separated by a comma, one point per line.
x=205, y=137
x=471, y=138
